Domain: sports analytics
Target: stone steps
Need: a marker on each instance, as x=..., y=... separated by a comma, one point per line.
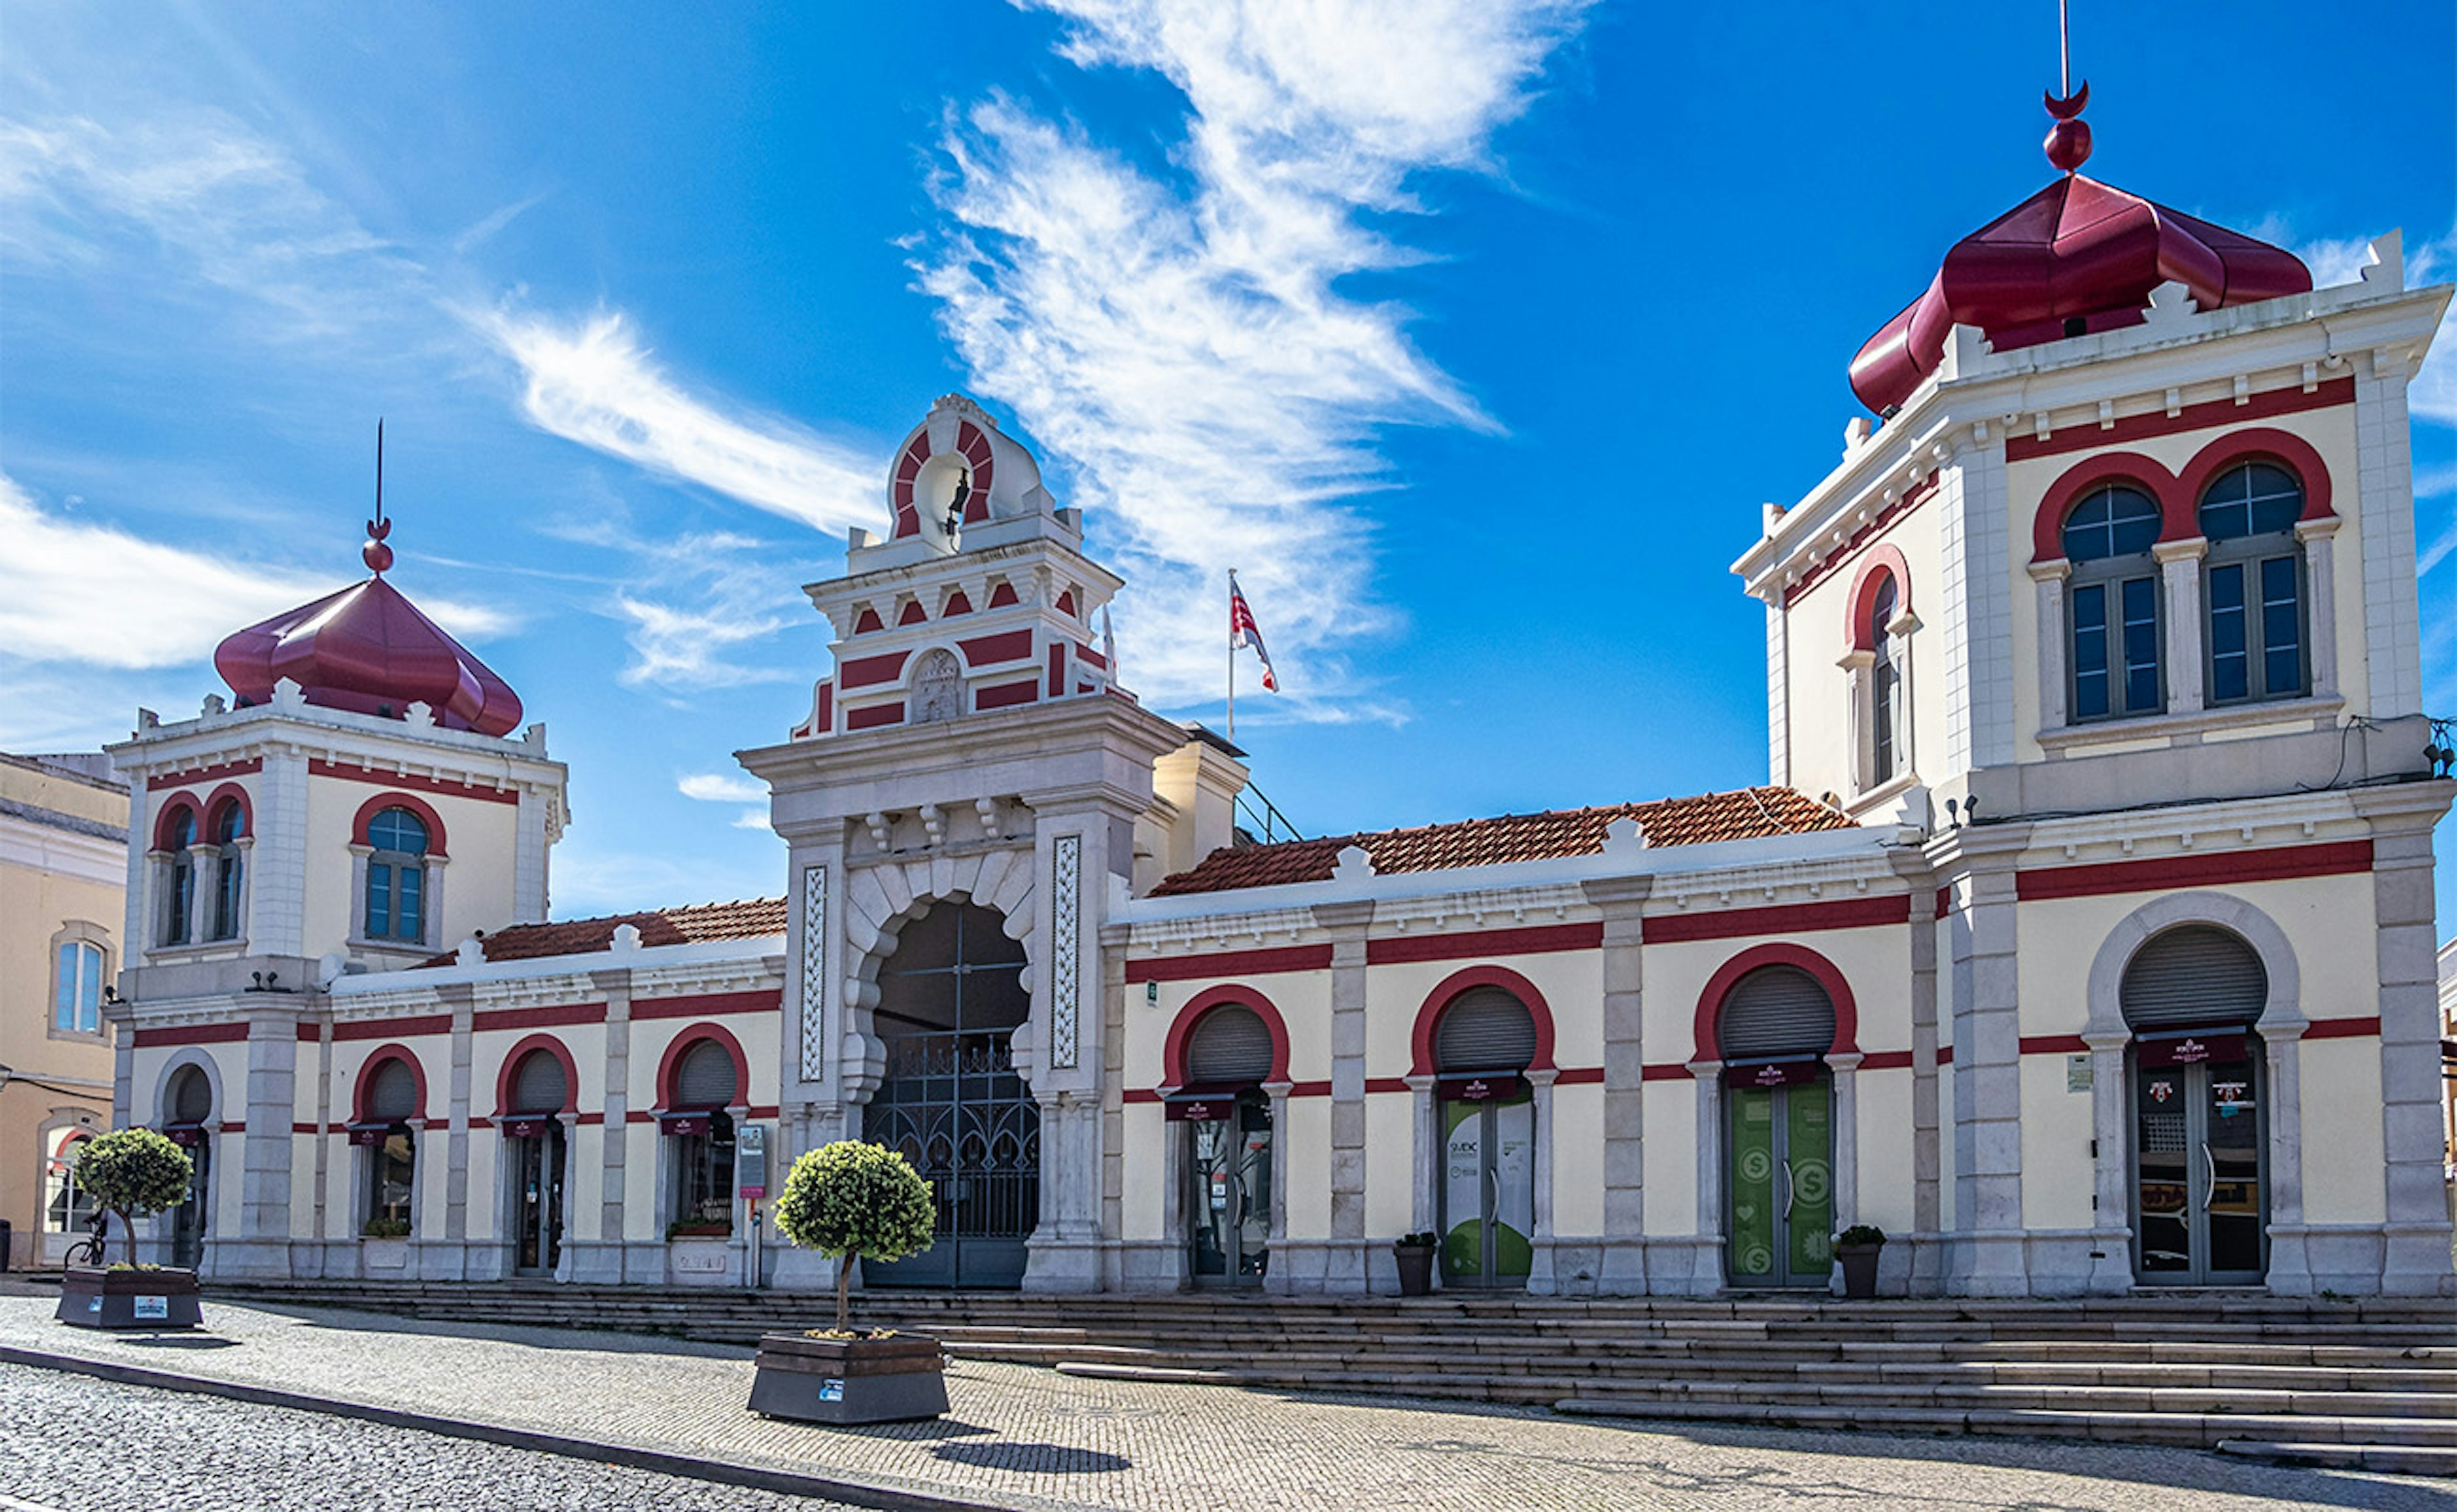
x=2385, y=1459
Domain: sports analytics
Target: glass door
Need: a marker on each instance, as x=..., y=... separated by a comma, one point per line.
x=539, y=1178
x=1488, y=1194
x=1228, y=1195
x=187, y=1218
x=2200, y=1188
x=1779, y=1184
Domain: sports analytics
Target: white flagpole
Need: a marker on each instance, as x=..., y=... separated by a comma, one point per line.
x=1232, y=654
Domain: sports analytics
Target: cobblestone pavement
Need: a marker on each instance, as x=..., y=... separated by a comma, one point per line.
x=1023, y=1436
x=63, y=1449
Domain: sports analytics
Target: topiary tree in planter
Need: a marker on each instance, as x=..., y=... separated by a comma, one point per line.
x=133, y=1173
x=849, y=1199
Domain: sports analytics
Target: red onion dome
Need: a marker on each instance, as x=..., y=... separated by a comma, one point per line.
x=368, y=650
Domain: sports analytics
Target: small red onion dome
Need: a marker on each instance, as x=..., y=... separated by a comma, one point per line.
x=368, y=650
x=2079, y=257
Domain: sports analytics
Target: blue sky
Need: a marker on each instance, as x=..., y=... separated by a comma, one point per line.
x=1472, y=332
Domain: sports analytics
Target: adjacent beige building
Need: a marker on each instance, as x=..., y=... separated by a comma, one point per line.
x=63, y=869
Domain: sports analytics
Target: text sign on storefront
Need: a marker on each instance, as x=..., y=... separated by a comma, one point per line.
x=188, y=1136
x=1205, y=1104
x=1477, y=1088
x=1774, y=1073
x=682, y=1123
x=525, y=1127
x=2192, y=1050
x=370, y=1134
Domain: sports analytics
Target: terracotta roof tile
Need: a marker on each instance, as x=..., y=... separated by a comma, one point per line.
x=750, y=919
x=1747, y=813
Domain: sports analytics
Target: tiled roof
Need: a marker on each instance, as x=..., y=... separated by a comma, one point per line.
x=750, y=919
x=1747, y=814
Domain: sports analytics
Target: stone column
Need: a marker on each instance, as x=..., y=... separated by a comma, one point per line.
x=2321, y=605
x=599, y=1256
x=262, y=1249
x=2052, y=633
x=1541, y=1278
x=2290, y=1262
x=1622, y=1267
x=1926, y=1250
x=1277, y=1279
x=1345, y=1259
x=2111, y=1240
x=1990, y=1255
x=2416, y=1230
x=449, y=1259
x=1426, y=1167
x=2179, y=563
x=1706, y=1259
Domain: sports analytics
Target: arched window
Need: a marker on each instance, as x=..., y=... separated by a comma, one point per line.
x=228, y=822
x=1884, y=681
x=2252, y=584
x=396, y=902
x=391, y=1145
x=705, y=1085
x=2194, y=975
x=76, y=987
x=1484, y=1029
x=539, y=1085
x=1230, y=1049
x=66, y=1207
x=2115, y=604
x=180, y=883
x=1775, y=1013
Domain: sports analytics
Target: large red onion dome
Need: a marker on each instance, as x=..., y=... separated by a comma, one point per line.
x=368, y=650
x=2077, y=257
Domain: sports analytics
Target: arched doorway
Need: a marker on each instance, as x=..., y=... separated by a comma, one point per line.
x=2201, y=1175
x=1227, y=1120
x=950, y=1000
x=1772, y=1033
x=187, y=1105
x=537, y=1149
x=1483, y=1043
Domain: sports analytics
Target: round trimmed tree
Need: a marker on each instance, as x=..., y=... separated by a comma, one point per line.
x=134, y=1173
x=849, y=1199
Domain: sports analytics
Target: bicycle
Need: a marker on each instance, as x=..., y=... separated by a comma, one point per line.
x=94, y=1251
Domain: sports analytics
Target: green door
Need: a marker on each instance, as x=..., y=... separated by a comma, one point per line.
x=1488, y=1191
x=1779, y=1184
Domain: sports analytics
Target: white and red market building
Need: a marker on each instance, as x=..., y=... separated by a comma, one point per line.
x=2081, y=937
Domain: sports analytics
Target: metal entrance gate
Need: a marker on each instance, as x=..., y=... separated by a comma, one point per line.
x=951, y=998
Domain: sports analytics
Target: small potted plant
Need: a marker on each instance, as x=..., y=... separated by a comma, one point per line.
x=848, y=1200
x=1856, y=1249
x=130, y=1173
x=1415, y=1253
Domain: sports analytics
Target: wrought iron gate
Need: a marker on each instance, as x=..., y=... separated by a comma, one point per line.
x=954, y=1106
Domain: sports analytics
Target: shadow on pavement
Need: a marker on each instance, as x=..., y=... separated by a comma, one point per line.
x=1041, y=1459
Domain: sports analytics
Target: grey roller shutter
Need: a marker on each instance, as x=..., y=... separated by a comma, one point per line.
x=2195, y=975
x=191, y=1100
x=706, y=1077
x=393, y=1096
x=539, y=1085
x=1232, y=1046
x=1775, y=1012
x=1484, y=1029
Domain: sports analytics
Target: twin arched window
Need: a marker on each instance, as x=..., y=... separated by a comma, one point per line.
x=2252, y=584
x=1885, y=685
x=2114, y=603
x=179, y=885
x=230, y=822
x=395, y=892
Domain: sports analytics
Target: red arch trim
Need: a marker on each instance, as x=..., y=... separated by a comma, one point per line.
x=2176, y=522
x=1429, y=1016
x=1779, y=953
x=1879, y=562
x=2260, y=444
x=681, y=1044
x=162, y=822
x=520, y=1053
x=1181, y=1029
x=230, y=792
x=374, y=1063
x=417, y=805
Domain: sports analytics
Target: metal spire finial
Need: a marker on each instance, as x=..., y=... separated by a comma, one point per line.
x=375, y=553
x=2067, y=142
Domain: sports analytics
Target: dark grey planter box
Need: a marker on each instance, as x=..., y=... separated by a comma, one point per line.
x=1859, y=1268
x=849, y=1380
x=92, y=1298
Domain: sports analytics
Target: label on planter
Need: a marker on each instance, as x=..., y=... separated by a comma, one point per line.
x=154, y=1306
x=832, y=1388
x=93, y=1304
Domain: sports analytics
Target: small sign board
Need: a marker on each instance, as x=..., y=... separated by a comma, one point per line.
x=754, y=1194
x=832, y=1388
x=154, y=1308
x=2080, y=1077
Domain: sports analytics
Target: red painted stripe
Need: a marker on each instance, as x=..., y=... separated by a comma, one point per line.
x=983, y=650
x=1666, y=1071
x=1866, y=533
x=305, y=1129
x=1789, y=918
x=2194, y=871
x=1534, y=939
x=591, y=1118
x=2053, y=1045
x=1310, y=1089
x=860, y=672
x=2091, y=435
x=1579, y=1075
x=1008, y=695
x=1231, y=963
x=394, y=1028
x=1945, y=1055
x=1886, y=1061
x=1057, y=669
x=875, y=716
x=1142, y=1094
x=307, y=1032
x=538, y=1018
x=709, y=1004
x=234, y=1128
x=1386, y=1084
x=191, y=1034
x=1086, y=653
x=410, y=782
x=2343, y=1028
x=1944, y=901
x=212, y=773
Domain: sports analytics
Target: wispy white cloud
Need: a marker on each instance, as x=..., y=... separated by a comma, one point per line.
x=2432, y=393
x=1185, y=350
x=591, y=382
x=728, y=787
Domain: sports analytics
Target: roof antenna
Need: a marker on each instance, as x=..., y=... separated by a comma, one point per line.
x=375, y=553
x=2067, y=142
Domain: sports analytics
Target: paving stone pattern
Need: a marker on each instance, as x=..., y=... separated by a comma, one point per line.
x=64, y=1448
x=1026, y=1438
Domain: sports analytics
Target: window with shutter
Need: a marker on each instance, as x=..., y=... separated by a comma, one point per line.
x=1774, y=1013
x=2193, y=976
x=392, y=1097
x=705, y=1079
x=539, y=1085
x=192, y=1097
x=1484, y=1029
x=1232, y=1046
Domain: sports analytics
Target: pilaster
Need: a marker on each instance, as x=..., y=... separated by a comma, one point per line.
x=1345, y=1259
x=1621, y=900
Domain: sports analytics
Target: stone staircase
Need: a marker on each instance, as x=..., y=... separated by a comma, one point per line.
x=2362, y=1384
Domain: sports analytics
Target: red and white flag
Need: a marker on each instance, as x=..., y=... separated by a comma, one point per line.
x=1244, y=632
